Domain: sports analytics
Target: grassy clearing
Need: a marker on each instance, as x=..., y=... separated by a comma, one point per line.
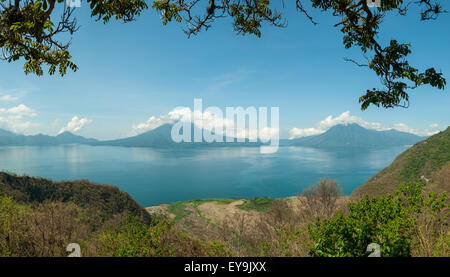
x=198, y=202
x=179, y=210
x=257, y=204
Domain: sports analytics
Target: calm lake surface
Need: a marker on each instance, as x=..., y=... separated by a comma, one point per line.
x=154, y=176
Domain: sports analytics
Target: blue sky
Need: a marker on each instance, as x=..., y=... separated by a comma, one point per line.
x=130, y=72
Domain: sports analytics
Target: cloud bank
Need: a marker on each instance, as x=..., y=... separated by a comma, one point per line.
x=154, y=122
x=75, y=125
x=15, y=118
x=211, y=122
x=345, y=118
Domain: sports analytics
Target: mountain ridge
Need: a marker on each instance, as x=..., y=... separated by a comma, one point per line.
x=354, y=135
x=160, y=137
x=8, y=138
x=350, y=135
x=428, y=162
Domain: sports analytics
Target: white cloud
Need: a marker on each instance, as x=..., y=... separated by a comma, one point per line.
x=8, y=97
x=20, y=111
x=154, y=122
x=75, y=125
x=13, y=118
x=212, y=122
x=345, y=118
x=433, y=129
x=150, y=124
x=306, y=132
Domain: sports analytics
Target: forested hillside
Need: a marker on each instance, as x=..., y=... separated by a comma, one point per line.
x=106, y=200
x=428, y=161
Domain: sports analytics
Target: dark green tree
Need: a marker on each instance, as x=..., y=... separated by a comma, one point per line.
x=28, y=30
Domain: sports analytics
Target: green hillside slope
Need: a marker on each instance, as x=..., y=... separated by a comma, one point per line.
x=428, y=161
x=107, y=200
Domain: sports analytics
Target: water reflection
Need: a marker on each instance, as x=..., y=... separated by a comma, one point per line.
x=155, y=176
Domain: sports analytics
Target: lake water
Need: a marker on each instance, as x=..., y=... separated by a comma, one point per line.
x=153, y=176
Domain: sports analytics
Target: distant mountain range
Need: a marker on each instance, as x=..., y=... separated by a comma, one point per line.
x=161, y=138
x=158, y=138
x=10, y=138
x=351, y=135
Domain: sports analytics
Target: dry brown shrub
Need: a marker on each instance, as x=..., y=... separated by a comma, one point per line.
x=278, y=231
x=54, y=225
x=431, y=231
x=321, y=199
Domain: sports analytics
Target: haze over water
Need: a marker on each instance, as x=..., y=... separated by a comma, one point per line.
x=155, y=176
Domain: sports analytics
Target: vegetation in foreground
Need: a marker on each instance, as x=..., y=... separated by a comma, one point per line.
x=408, y=222
x=102, y=201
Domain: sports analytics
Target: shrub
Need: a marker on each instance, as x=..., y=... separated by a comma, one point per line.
x=132, y=238
x=391, y=221
x=42, y=230
x=14, y=240
x=322, y=198
x=106, y=200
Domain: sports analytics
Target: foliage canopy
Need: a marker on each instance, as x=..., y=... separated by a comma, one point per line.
x=392, y=221
x=29, y=30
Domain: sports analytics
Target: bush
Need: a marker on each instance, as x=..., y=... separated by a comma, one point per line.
x=321, y=199
x=106, y=200
x=13, y=229
x=42, y=230
x=390, y=221
x=132, y=238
